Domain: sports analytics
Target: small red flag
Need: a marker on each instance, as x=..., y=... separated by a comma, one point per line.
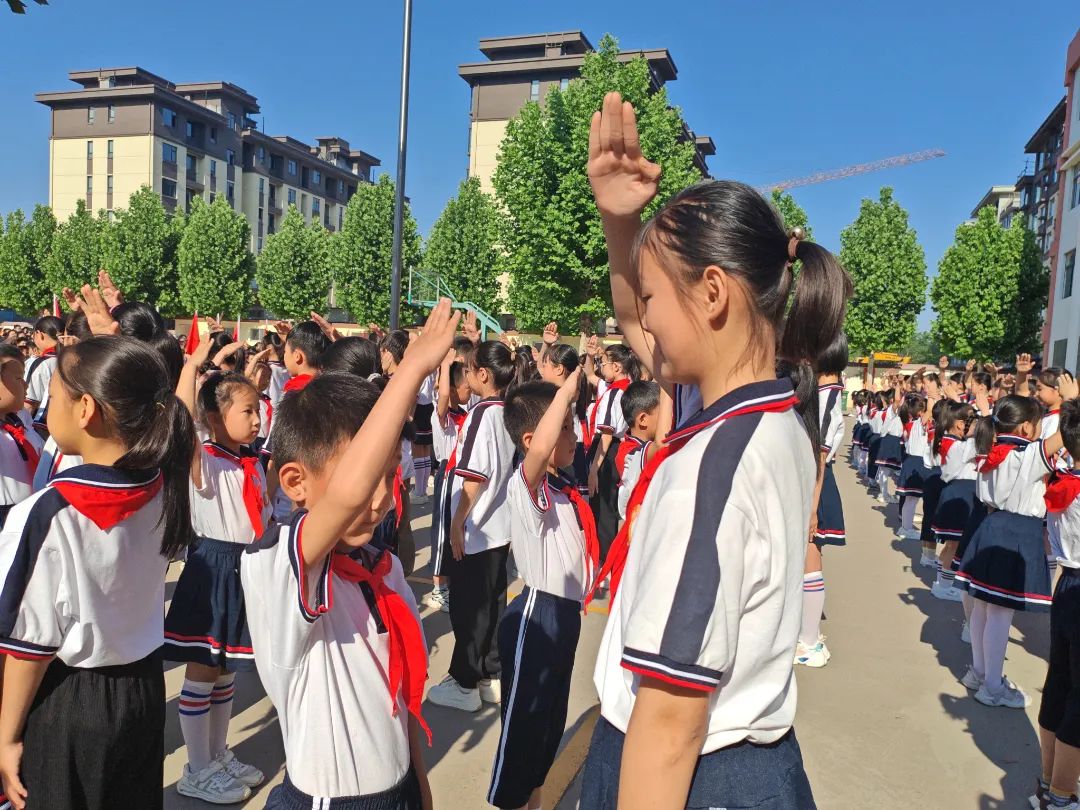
x=236, y=331
x=193, y=335
x=55, y=306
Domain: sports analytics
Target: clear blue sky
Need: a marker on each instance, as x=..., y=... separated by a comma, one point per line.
x=784, y=88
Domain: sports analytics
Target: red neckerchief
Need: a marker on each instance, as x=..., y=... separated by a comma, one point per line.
x=254, y=492
x=907, y=429
x=588, y=526
x=399, y=482
x=1061, y=490
x=48, y=352
x=407, y=669
x=946, y=445
x=628, y=445
x=586, y=437
x=297, y=383
x=616, y=558
x=999, y=452
x=14, y=427
x=269, y=411
x=618, y=385
x=106, y=495
x=458, y=417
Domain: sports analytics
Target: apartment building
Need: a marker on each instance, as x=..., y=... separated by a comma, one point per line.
x=524, y=68
x=1038, y=189
x=1062, y=342
x=1005, y=200
x=127, y=127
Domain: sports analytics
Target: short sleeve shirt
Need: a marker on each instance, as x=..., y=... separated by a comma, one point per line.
x=217, y=508
x=39, y=372
x=831, y=416
x=485, y=454
x=16, y=477
x=1018, y=484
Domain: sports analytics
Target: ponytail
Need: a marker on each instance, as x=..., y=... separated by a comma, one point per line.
x=817, y=309
x=1010, y=413
x=804, y=381
x=524, y=366
x=565, y=356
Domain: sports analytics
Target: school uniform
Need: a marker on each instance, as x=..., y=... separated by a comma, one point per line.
x=52, y=462
x=685, y=403
x=1060, y=711
x=957, y=499
x=890, y=451
x=1048, y=428
x=422, y=413
x=20, y=451
x=932, y=488
x=206, y=622
x=1004, y=563
x=873, y=442
x=444, y=437
x=914, y=469
x=725, y=513
x=629, y=463
x=606, y=419
x=342, y=656
x=582, y=442
x=478, y=583
x=83, y=586
x=279, y=378
x=553, y=536
x=830, y=510
x=39, y=373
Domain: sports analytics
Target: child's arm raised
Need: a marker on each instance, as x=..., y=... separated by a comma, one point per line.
x=546, y=435
x=665, y=416
x=442, y=401
x=185, y=392
x=364, y=463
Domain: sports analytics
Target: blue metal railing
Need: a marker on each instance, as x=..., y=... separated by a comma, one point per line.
x=426, y=289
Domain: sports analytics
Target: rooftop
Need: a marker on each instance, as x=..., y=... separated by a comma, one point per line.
x=1053, y=125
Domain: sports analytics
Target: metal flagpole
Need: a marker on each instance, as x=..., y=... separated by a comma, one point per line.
x=399, y=189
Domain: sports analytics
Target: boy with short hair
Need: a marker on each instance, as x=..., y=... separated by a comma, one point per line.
x=303, y=353
x=333, y=622
x=641, y=406
x=553, y=536
x=20, y=446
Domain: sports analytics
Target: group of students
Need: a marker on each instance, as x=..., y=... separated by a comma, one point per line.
x=991, y=457
x=678, y=473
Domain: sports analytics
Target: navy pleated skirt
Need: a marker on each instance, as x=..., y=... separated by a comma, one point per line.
x=860, y=437
x=830, y=512
x=953, y=509
x=913, y=475
x=932, y=486
x=1005, y=563
x=890, y=453
x=873, y=444
x=206, y=622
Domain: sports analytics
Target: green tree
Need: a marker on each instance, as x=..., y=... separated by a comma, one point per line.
x=19, y=7
x=923, y=348
x=168, y=283
x=886, y=262
x=990, y=290
x=135, y=248
x=553, y=243
x=76, y=254
x=362, y=251
x=293, y=271
x=215, y=265
x=24, y=247
x=463, y=246
x=794, y=214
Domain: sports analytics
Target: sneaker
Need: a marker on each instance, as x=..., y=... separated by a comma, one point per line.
x=927, y=559
x=1009, y=697
x=971, y=680
x=212, y=784
x=1041, y=800
x=245, y=774
x=453, y=695
x=815, y=657
x=946, y=592
x=882, y=498
x=490, y=690
x=437, y=597
x=965, y=633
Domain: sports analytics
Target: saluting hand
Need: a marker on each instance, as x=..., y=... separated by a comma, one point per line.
x=623, y=181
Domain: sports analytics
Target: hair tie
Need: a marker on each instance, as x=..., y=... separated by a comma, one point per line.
x=796, y=236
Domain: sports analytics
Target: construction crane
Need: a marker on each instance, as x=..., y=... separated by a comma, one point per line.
x=851, y=171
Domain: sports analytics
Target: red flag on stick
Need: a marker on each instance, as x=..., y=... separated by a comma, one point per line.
x=193, y=335
x=56, y=306
x=236, y=331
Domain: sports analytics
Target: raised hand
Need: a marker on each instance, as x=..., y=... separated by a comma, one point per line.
x=214, y=325
x=469, y=327
x=282, y=328
x=1024, y=364
x=113, y=297
x=327, y=328
x=430, y=349
x=98, y=318
x=551, y=334
x=375, y=332
x=72, y=299
x=623, y=181
x=592, y=346
x=969, y=366
x=1067, y=386
x=227, y=351
x=943, y=362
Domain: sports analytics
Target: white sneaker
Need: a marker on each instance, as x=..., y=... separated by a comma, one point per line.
x=245, y=774
x=882, y=498
x=814, y=657
x=971, y=680
x=927, y=559
x=909, y=534
x=965, y=633
x=452, y=695
x=946, y=592
x=212, y=784
x=490, y=690
x=438, y=597
x=1009, y=697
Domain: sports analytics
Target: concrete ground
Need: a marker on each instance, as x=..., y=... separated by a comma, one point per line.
x=886, y=724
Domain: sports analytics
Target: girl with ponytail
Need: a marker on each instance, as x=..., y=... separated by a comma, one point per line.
x=705, y=295
x=556, y=365
x=82, y=721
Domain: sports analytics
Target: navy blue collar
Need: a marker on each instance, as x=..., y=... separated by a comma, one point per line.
x=745, y=396
x=100, y=475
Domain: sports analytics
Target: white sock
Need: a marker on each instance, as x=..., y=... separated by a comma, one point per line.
x=195, y=722
x=813, y=599
x=969, y=605
x=977, y=624
x=221, y=706
x=423, y=470
x=907, y=514
x=995, y=640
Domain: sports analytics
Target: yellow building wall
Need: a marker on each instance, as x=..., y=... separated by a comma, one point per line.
x=249, y=201
x=132, y=167
x=484, y=140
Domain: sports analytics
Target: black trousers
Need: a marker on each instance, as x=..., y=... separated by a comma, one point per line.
x=605, y=503
x=477, y=601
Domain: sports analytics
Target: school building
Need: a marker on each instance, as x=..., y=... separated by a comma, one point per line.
x=126, y=127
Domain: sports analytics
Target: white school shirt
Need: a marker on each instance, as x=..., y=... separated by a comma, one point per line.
x=51, y=463
x=547, y=539
x=892, y=425
x=279, y=375
x=444, y=434
x=929, y=460
x=877, y=423
x=1050, y=426
x=633, y=466
x=89, y=595
x=917, y=442
x=266, y=413
x=1065, y=528
x=324, y=665
x=16, y=479
x=1018, y=484
x=39, y=371
x=607, y=415
x=217, y=508
x=426, y=394
x=711, y=595
x=957, y=459
x=485, y=454
x=831, y=419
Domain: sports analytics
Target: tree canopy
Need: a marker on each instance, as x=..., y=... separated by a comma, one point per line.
x=215, y=264
x=24, y=249
x=76, y=255
x=293, y=271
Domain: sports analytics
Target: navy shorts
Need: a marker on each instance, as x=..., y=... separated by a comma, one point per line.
x=1060, y=709
x=405, y=795
x=830, y=512
x=765, y=777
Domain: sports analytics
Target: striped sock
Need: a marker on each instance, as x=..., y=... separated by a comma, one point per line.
x=195, y=722
x=1052, y=562
x=221, y=706
x=813, y=607
x=423, y=470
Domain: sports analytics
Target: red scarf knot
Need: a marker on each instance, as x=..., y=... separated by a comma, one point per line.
x=105, y=496
x=14, y=427
x=254, y=492
x=1061, y=490
x=297, y=383
x=629, y=445
x=408, y=652
x=588, y=527
x=998, y=453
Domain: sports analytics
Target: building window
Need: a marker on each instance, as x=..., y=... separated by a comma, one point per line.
x=213, y=134
x=341, y=188
x=192, y=165
x=168, y=153
x=315, y=206
x=213, y=169
x=1074, y=198
x=168, y=117
x=564, y=83
x=89, y=185
x=292, y=196
x=112, y=113
x=109, y=149
x=90, y=113
x=1070, y=271
x=90, y=150
x=230, y=157
x=340, y=213
x=108, y=184
x=262, y=185
x=292, y=167
x=259, y=248
x=230, y=192
x=189, y=129
x=213, y=197
x=1060, y=348
x=262, y=155
x=231, y=119
x=316, y=176
x=168, y=188
x=534, y=90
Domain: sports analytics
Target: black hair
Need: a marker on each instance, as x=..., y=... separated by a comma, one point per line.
x=525, y=406
x=50, y=325
x=912, y=407
x=639, y=397
x=834, y=359
x=218, y=390
x=949, y=413
x=462, y=345
x=524, y=366
x=1050, y=376
x=131, y=386
x=76, y=325
x=218, y=341
x=1070, y=426
x=560, y=354
x=618, y=353
x=395, y=343
x=273, y=340
x=171, y=353
x=495, y=357
x=982, y=378
x=1010, y=412
x=860, y=398
x=308, y=338
x=343, y=401
x=9, y=351
x=457, y=373
x=355, y=355
x=138, y=320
